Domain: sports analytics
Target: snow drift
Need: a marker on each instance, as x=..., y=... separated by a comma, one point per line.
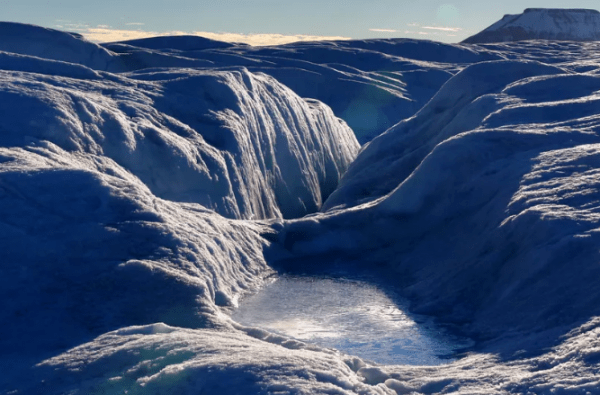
x=53, y=44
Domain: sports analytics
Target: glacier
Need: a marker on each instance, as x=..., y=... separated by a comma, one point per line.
x=149, y=186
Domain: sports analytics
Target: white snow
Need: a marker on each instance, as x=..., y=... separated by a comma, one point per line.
x=145, y=191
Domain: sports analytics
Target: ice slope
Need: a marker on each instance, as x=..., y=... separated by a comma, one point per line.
x=238, y=143
x=87, y=247
x=53, y=44
x=155, y=359
x=488, y=212
x=384, y=81
x=458, y=106
x=113, y=191
x=543, y=24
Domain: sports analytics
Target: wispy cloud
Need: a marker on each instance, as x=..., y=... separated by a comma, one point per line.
x=79, y=27
x=442, y=33
x=135, y=24
x=383, y=30
x=266, y=39
x=445, y=29
x=102, y=34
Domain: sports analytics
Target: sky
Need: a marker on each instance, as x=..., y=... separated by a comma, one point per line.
x=264, y=22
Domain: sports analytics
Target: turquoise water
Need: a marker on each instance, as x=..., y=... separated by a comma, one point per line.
x=353, y=316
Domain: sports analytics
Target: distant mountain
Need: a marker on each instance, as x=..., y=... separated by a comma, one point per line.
x=176, y=43
x=543, y=24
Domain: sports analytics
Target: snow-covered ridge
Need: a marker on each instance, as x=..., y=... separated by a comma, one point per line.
x=238, y=143
x=392, y=156
x=53, y=44
x=544, y=24
x=384, y=81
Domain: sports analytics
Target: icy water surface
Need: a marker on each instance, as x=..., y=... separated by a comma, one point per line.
x=353, y=316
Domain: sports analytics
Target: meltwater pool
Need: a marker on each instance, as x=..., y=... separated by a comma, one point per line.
x=353, y=316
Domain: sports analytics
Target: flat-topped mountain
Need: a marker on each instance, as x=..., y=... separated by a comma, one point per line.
x=543, y=24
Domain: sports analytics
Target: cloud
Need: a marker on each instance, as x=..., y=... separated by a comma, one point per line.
x=79, y=27
x=266, y=39
x=135, y=24
x=445, y=29
x=383, y=30
x=103, y=35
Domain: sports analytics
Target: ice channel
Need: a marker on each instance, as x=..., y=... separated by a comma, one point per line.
x=352, y=315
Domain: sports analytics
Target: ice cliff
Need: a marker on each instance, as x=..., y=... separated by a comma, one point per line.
x=236, y=142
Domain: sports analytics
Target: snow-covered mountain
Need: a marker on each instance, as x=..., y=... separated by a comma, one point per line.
x=145, y=187
x=543, y=24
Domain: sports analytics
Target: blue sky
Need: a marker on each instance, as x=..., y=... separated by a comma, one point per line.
x=272, y=21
